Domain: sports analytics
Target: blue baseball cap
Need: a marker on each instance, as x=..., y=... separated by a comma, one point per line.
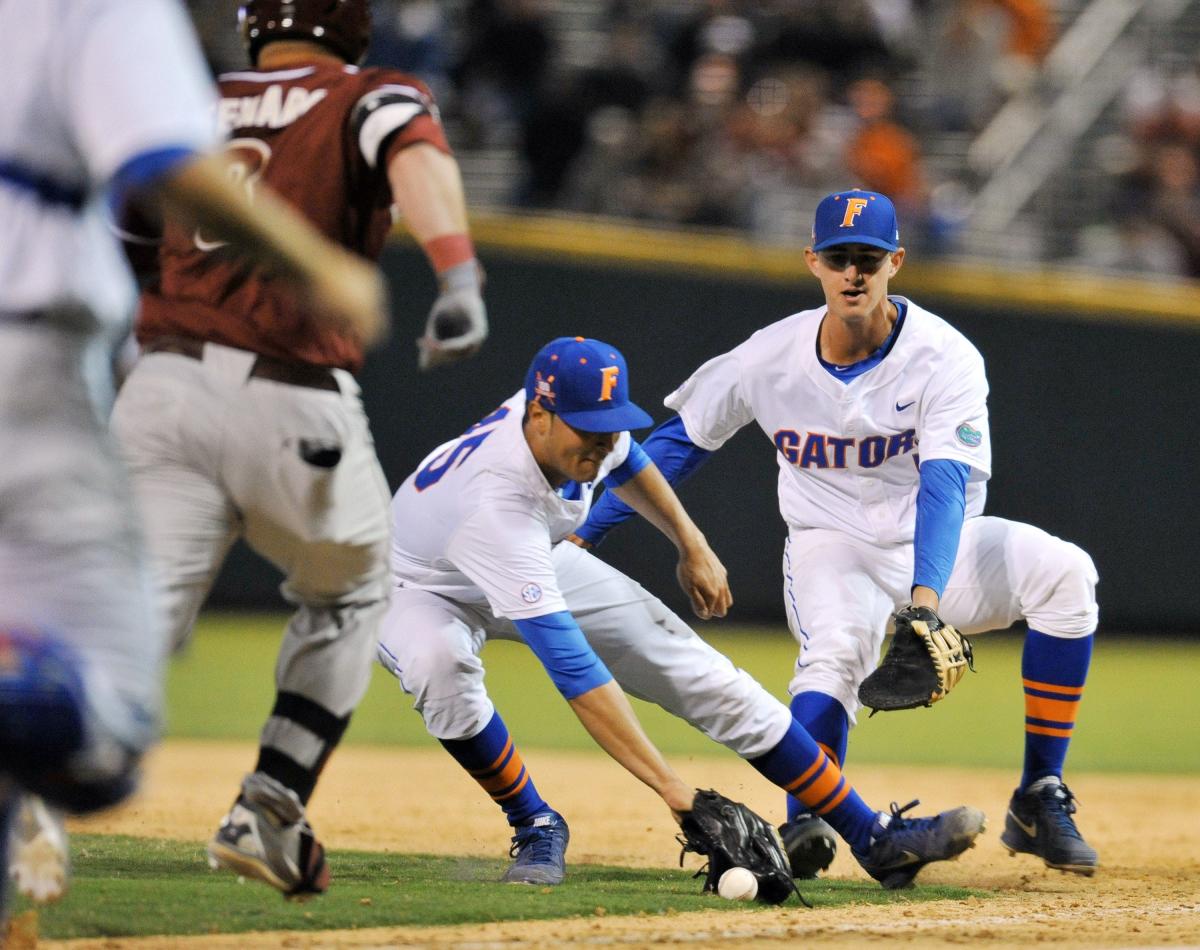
x=855, y=217
x=585, y=383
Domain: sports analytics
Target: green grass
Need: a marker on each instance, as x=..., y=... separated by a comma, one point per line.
x=136, y=887
x=1137, y=713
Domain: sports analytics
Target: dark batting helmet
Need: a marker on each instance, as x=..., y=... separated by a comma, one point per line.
x=344, y=26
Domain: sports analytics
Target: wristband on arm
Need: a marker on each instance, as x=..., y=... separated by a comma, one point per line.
x=448, y=252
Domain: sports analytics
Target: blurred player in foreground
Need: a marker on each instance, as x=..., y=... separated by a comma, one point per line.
x=848, y=394
x=100, y=95
x=243, y=418
x=478, y=552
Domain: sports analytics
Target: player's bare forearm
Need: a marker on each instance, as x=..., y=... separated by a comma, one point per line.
x=925, y=597
x=650, y=496
x=700, y=572
x=345, y=288
x=427, y=188
x=609, y=719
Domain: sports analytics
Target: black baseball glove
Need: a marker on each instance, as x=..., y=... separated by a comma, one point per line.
x=730, y=835
x=926, y=660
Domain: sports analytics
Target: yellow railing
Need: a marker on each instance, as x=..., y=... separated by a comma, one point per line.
x=1070, y=293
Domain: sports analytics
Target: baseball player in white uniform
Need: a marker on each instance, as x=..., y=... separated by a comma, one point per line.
x=877, y=411
x=478, y=552
x=95, y=92
x=102, y=98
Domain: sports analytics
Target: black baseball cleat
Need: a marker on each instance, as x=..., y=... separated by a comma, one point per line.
x=1039, y=822
x=811, y=845
x=906, y=845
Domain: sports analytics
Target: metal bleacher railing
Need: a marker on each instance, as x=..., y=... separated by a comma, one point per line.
x=1009, y=180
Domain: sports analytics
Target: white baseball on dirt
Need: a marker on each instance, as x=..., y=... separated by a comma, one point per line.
x=738, y=884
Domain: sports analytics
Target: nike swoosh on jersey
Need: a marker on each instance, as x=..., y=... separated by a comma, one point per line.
x=900, y=408
x=1030, y=829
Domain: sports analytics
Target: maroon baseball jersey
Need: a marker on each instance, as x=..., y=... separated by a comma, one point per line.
x=321, y=136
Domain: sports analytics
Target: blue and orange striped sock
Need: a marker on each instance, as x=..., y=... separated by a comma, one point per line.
x=1053, y=671
x=494, y=762
x=825, y=719
x=800, y=767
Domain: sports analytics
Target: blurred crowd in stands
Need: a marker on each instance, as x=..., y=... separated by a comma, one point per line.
x=1154, y=222
x=735, y=113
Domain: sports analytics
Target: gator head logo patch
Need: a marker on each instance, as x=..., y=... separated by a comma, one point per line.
x=968, y=435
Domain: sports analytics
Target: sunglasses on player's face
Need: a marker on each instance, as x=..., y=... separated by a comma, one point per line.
x=866, y=259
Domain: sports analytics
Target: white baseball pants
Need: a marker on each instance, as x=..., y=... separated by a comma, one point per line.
x=433, y=644
x=839, y=593
x=70, y=553
x=215, y=453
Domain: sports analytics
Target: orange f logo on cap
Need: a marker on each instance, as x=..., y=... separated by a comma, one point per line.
x=854, y=207
x=609, y=382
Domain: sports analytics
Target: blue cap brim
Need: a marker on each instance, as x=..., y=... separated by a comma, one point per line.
x=856, y=239
x=618, y=419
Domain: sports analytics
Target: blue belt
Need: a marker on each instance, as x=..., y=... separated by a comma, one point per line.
x=46, y=188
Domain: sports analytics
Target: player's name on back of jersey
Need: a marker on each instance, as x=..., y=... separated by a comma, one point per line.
x=817, y=450
x=270, y=109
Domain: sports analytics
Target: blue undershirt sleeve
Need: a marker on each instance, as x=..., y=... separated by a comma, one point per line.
x=941, y=504
x=558, y=642
x=145, y=169
x=676, y=456
x=635, y=461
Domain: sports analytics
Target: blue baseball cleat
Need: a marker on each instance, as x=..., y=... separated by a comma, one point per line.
x=906, y=845
x=540, y=849
x=1039, y=822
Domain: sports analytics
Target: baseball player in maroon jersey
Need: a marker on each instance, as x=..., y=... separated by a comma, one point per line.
x=242, y=418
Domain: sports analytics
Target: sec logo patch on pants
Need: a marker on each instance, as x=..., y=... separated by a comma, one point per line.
x=531, y=593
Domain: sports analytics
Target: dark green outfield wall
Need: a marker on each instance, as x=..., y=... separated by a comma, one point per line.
x=1092, y=423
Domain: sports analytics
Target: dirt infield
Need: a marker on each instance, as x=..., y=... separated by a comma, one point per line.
x=1147, y=830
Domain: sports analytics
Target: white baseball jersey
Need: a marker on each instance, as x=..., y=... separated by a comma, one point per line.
x=849, y=453
x=88, y=86
x=477, y=521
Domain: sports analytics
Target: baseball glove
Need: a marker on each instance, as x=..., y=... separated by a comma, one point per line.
x=730, y=835
x=926, y=660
